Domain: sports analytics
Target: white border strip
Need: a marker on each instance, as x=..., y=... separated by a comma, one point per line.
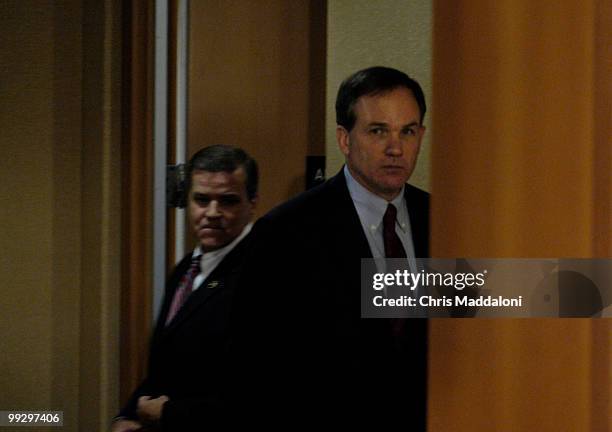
x=160, y=131
x=182, y=58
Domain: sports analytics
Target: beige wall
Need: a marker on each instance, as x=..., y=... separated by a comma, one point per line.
x=60, y=222
x=362, y=33
x=26, y=117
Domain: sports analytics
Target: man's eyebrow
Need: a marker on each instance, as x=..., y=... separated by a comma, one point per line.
x=220, y=194
x=411, y=124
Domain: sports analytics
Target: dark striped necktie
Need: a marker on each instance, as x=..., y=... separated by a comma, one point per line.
x=185, y=288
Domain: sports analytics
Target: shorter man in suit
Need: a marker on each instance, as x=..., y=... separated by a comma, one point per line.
x=187, y=373
x=318, y=359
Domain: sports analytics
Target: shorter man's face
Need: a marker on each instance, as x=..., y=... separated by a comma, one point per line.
x=219, y=208
x=382, y=148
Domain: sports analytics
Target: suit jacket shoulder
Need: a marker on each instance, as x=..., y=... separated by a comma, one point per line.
x=327, y=212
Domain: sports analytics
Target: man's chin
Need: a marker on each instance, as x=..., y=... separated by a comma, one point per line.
x=391, y=177
x=394, y=185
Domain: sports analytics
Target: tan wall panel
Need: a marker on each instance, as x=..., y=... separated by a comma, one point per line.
x=26, y=119
x=65, y=175
x=514, y=375
x=58, y=328
x=602, y=241
x=100, y=214
x=516, y=162
x=137, y=194
x=517, y=129
x=248, y=86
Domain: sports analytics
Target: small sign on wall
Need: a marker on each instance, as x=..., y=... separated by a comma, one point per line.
x=315, y=171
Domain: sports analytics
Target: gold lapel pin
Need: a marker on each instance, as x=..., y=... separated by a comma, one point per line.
x=212, y=284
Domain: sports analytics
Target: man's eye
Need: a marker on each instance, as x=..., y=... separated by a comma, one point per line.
x=377, y=131
x=202, y=200
x=409, y=131
x=231, y=200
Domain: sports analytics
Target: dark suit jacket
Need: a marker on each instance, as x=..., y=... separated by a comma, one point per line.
x=187, y=358
x=298, y=312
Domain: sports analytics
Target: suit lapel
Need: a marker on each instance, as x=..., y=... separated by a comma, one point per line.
x=347, y=222
x=214, y=284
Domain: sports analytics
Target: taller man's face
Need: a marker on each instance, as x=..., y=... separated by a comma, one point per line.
x=382, y=148
x=219, y=208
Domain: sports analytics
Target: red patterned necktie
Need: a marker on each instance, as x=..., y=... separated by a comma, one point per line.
x=185, y=288
x=393, y=244
x=393, y=249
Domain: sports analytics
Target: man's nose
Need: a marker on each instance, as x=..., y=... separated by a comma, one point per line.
x=394, y=145
x=212, y=210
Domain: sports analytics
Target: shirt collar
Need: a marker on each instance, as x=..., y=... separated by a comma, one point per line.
x=225, y=249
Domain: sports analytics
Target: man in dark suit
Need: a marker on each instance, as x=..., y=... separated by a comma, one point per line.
x=186, y=364
x=324, y=363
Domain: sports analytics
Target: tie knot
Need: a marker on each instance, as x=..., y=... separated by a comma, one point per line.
x=195, y=263
x=390, y=216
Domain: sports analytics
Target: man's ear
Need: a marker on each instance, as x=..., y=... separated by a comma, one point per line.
x=421, y=135
x=343, y=139
x=254, y=202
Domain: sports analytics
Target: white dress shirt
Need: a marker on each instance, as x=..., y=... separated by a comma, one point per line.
x=371, y=208
x=210, y=260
